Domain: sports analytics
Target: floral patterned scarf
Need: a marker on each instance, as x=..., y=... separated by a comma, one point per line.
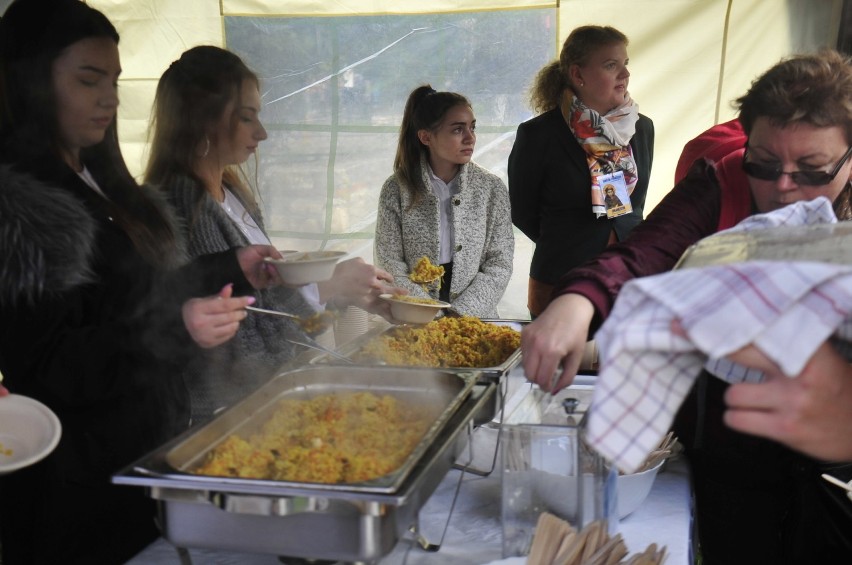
x=606, y=140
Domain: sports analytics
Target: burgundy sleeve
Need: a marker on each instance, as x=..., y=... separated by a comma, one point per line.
x=687, y=214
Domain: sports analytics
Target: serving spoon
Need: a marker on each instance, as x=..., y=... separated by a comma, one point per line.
x=310, y=325
x=273, y=312
x=314, y=344
x=419, y=281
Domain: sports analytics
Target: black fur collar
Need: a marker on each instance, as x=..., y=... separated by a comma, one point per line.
x=46, y=237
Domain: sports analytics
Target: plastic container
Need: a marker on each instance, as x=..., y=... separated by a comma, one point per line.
x=547, y=467
x=407, y=311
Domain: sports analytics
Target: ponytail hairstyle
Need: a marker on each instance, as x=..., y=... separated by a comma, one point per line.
x=191, y=98
x=424, y=109
x=552, y=80
x=33, y=34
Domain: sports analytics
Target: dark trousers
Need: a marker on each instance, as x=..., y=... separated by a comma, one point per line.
x=446, y=281
x=49, y=517
x=756, y=500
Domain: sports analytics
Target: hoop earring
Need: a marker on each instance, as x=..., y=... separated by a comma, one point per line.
x=206, y=147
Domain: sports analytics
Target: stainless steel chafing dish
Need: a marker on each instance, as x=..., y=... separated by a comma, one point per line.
x=345, y=522
x=488, y=373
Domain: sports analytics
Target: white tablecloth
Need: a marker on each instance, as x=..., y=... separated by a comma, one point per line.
x=474, y=535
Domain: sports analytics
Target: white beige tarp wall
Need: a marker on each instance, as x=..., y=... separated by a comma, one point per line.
x=688, y=58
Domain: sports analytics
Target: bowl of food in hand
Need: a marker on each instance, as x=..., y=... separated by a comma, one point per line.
x=29, y=431
x=413, y=309
x=305, y=267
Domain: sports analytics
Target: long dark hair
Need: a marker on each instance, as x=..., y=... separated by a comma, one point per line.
x=424, y=109
x=33, y=33
x=191, y=97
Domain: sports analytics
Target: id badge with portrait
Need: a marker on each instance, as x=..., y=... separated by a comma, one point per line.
x=615, y=196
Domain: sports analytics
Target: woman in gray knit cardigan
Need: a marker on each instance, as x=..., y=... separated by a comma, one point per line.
x=205, y=125
x=441, y=205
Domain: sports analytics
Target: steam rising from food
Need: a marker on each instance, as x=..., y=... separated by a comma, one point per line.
x=333, y=438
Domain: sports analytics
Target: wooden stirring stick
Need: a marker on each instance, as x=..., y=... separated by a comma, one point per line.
x=549, y=532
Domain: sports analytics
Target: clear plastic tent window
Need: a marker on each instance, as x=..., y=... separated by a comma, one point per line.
x=334, y=90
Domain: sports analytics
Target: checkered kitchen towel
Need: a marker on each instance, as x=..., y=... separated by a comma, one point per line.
x=646, y=370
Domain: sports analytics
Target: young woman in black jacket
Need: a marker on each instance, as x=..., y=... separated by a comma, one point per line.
x=96, y=318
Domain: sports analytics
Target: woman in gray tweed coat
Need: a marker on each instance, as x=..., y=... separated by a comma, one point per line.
x=441, y=205
x=206, y=124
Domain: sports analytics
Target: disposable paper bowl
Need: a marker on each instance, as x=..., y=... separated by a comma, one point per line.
x=633, y=489
x=305, y=267
x=29, y=431
x=560, y=491
x=413, y=312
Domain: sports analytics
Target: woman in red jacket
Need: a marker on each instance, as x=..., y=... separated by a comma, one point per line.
x=757, y=501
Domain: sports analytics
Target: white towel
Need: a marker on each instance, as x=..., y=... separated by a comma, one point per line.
x=786, y=309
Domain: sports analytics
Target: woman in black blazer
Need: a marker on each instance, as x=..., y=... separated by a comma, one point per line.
x=588, y=129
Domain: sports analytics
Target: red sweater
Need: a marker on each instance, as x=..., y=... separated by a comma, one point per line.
x=722, y=144
x=713, y=144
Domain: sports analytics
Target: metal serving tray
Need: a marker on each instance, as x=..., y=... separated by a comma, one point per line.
x=438, y=393
x=488, y=373
x=353, y=523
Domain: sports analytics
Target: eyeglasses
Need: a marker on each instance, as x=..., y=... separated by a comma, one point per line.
x=809, y=178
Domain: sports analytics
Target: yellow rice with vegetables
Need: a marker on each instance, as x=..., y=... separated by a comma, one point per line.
x=424, y=272
x=333, y=438
x=417, y=300
x=445, y=342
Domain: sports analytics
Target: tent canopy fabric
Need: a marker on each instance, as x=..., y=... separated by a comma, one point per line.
x=335, y=75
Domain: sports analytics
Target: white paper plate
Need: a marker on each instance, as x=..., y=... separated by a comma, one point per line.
x=413, y=312
x=29, y=431
x=306, y=267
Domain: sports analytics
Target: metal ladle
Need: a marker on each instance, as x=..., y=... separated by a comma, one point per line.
x=302, y=322
x=314, y=344
x=418, y=280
